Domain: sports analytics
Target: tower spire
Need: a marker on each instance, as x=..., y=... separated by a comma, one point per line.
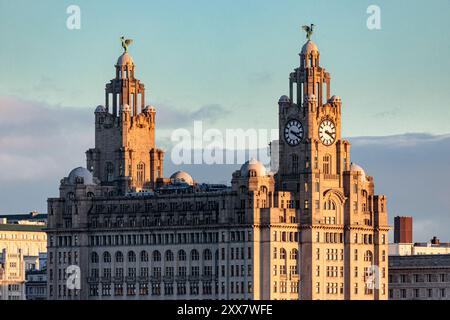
x=125, y=89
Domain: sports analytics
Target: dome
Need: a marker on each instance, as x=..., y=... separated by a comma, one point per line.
x=309, y=47
x=149, y=109
x=125, y=59
x=335, y=99
x=100, y=109
x=80, y=175
x=126, y=108
x=284, y=99
x=253, y=165
x=356, y=168
x=311, y=97
x=181, y=176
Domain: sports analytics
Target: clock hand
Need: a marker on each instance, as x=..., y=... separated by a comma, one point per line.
x=331, y=135
x=297, y=134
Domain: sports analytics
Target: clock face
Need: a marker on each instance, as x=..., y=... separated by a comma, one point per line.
x=293, y=132
x=327, y=132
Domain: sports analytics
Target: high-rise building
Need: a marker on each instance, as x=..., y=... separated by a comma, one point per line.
x=313, y=230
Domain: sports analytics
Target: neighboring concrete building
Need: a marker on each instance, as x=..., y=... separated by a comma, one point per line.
x=22, y=247
x=33, y=218
x=30, y=239
x=137, y=235
x=36, y=285
x=419, y=248
x=12, y=276
x=419, y=277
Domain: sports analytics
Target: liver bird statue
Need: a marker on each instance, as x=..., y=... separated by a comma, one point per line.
x=126, y=43
x=309, y=31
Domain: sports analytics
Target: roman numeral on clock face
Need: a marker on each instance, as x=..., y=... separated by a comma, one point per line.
x=327, y=132
x=293, y=132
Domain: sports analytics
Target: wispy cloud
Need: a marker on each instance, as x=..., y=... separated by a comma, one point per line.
x=170, y=117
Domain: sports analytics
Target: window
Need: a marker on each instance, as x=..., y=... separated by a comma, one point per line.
x=327, y=164
x=106, y=257
x=109, y=171
x=403, y=293
x=131, y=256
x=416, y=293
x=119, y=256
x=294, y=254
x=207, y=255
x=94, y=257
x=194, y=255
x=144, y=256
x=368, y=256
x=141, y=173
x=156, y=255
x=169, y=255
x=182, y=255
x=282, y=253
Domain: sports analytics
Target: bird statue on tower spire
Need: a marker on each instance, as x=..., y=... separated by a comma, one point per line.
x=126, y=43
x=309, y=30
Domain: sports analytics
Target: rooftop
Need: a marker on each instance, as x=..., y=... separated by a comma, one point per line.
x=21, y=227
x=421, y=261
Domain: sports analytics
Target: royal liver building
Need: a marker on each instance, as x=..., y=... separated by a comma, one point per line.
x=313, y=230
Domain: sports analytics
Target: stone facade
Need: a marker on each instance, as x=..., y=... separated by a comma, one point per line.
x=20, y=245
x=314, y=230
x=419, y=277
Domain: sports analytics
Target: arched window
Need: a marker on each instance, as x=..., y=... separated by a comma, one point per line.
x=131, y=256
x=119, y=256
x=207, y=255
x=141, y=173
x=94, y=257
x=106, y=257
x=327, y=164
x=368, y=257
x=194, y=255
x=156, y=255
x=182, y=255
x=144, y=256
x=294, y=254
x=329, y=205
x=169, y=255
x=282, y=253
x=109, y=171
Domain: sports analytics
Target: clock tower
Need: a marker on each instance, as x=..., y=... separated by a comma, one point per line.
x=335, y=200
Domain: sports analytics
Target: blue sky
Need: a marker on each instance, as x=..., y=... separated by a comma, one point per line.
x=237, y=54
x=227, y=63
